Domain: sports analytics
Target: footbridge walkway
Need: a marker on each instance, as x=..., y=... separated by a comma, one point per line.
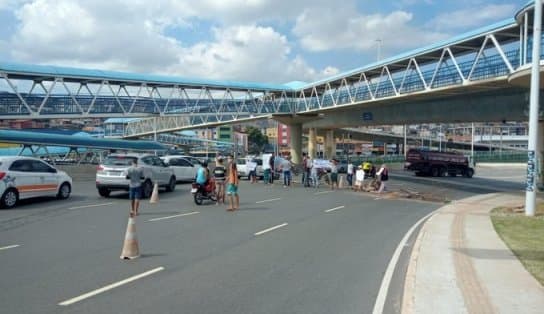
x=479, y=61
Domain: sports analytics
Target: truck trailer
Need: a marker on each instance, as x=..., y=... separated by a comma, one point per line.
x=438, y=164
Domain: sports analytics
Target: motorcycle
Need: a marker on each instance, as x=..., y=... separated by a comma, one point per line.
x=206, y=192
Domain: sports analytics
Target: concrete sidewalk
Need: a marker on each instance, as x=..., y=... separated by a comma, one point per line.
x=460, y=265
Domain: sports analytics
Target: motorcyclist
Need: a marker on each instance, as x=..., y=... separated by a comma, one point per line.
x=203, y=176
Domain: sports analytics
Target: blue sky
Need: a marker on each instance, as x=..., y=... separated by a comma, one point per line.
x=243, y=40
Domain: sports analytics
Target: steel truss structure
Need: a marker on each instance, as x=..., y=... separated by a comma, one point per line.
x=480, y=60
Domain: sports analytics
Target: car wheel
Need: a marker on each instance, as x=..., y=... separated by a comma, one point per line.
x=469, y=173
x=171, y=185
x=64, y=191
x=147, y=189
x=9, y=199
x=104, y=192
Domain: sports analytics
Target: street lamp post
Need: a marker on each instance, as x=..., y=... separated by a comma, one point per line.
x=530, y=195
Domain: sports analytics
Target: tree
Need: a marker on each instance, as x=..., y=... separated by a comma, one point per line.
x=256, y=140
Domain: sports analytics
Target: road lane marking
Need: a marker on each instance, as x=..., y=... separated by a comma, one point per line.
x=109, y=287
x=270, y=200
x=386, y=281
x=270, y=229
x=333, y=209
x=9, y=247
x=323, y=192
x=175, y=216
x=94, y=205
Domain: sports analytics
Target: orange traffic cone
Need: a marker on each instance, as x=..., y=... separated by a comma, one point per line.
x=155, y=194
x=130, y=247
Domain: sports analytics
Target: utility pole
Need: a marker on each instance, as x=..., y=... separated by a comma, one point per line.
x=530, y=195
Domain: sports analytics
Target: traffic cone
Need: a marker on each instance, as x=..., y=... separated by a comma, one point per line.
x=130, y=247
x=341, y=182
x=155, y=194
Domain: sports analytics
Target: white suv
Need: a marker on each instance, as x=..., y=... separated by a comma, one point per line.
x=111, y=173
x=27, y=177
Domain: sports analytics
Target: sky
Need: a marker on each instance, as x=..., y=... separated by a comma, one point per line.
x=269, y=41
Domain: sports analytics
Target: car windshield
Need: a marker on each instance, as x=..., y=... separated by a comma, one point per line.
x=241, y=162
x=119, y=161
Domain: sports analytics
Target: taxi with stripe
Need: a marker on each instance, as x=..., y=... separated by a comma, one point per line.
x=27, y=177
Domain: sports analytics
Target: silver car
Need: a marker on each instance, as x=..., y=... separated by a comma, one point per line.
x=184, y=169
x=111, y=173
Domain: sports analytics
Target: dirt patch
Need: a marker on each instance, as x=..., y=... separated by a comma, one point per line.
x=414, y=195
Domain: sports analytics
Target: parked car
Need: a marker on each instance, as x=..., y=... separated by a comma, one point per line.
x=111, y=173
x=241, y=166
x=27, y=177
x=184, y=169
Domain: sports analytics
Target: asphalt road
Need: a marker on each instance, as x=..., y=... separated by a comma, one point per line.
x=327, y=253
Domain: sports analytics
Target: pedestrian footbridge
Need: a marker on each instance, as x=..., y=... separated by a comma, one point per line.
x=473, y=68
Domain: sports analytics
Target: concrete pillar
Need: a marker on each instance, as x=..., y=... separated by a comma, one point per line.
x=296, y=143
x=330, y=144
x=312, y=142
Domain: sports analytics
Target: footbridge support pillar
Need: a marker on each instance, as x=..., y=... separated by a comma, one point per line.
x=312, y=142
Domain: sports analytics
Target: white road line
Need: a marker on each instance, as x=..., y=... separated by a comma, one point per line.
x=333, y=209
x=323, y=192
x=270, y=200
x=270, y=229
x=94, y=205
x=9, y=247
x=386, y=281
x=109, y=287
x=175, y=216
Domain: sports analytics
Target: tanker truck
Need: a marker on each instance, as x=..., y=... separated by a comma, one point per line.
x=438, y=164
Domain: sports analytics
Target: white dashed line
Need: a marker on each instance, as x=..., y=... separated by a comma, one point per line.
x=333, y=209
x=94, y=205
x=270, y=200
x=175, y=216
x=323, y=192
x=9, y=247
x=270, y=229
x=109, y=287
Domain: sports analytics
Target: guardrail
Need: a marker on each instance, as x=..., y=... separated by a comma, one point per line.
x=506, y=157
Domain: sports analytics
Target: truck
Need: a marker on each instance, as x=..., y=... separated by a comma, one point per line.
x=438, y=164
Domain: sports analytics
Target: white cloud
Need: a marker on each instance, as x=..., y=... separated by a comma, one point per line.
x=322, y=30
x=474, y=16
x=90, y=34
x=246, y=53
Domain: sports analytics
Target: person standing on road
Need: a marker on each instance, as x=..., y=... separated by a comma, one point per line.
x=305, y=170
x=349, y=176
x=334, y=174
x=232, y=187
x=286, y=168
x=219, y=173
x=135, y=174
x=359, y=178
x=314, y=174
x=266, y=168
x=382, y=175
x=252, y=170
x=272, y=168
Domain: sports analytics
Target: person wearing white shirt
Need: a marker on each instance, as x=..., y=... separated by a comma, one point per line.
x=359, y=178
x=350, y=172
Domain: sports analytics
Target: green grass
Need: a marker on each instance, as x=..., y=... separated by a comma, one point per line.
x=524, y=236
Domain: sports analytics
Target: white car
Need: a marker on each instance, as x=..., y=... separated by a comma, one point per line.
x=27, y=177
x=111, y=174
x=183, y=168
